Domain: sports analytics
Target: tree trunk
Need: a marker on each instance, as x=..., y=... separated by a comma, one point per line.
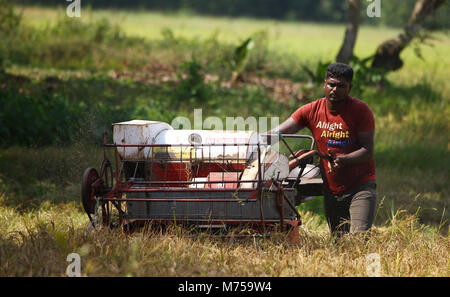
x=387, y=55
x=354, y=15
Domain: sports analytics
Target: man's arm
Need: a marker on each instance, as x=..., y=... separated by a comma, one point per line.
x=363, y=154
x=290, y=126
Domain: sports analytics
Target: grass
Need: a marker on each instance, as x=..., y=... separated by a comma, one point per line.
x=38, y=242
x=40, y=185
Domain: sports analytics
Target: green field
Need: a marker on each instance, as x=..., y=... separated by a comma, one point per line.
x=308, y=41
x=66, y=81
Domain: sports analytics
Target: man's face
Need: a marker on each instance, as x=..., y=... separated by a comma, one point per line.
x=337, y=89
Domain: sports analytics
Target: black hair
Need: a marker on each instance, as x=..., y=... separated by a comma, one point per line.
x=338, y=70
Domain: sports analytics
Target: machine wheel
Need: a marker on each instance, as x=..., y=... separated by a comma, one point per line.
x=101, y=212
x=87, y=194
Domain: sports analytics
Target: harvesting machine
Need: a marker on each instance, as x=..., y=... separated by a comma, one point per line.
x=203, y=178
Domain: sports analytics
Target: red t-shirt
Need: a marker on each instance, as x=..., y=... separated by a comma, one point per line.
x=338, y=132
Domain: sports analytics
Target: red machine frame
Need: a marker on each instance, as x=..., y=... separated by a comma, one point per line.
x=103, y=191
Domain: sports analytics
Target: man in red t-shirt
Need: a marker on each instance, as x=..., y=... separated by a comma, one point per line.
x=344, y=129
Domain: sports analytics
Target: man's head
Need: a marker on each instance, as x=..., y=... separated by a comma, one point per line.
x=338, y=82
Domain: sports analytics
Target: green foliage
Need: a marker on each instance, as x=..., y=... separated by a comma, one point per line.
x=42, y=121
x=71, y=43
x=364, y=75
x=9, y=24
x=315, y=206
x=330, y=11
x=403, y=9
x=93, y=31
x=9, y=19
x=169, y=37
x=318, y=75
x=240, y=57
x=152, y=108
x=241, y=52
x=41, y=113
x=260, y=57
x=192, y=87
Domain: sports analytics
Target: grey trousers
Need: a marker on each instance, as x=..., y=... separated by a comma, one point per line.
x=353, y=212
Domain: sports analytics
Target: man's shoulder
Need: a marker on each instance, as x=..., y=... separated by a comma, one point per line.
x=318, y=103
x=320, y=100
x=306, y=112
x=356, y=101
x=313, y=105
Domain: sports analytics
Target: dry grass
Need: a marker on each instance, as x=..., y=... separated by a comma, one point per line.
x=42, y=222
x=36, y=243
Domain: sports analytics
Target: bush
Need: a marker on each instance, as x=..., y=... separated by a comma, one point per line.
x=71, y=44
x=364, y=74
x=192, y=87
x=9, y=19
x=43, y=121
x=35, y=114
x=9, y=24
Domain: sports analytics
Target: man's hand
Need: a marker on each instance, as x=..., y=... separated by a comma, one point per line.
x=363, y=154
x=337, y=161
x=290, y=126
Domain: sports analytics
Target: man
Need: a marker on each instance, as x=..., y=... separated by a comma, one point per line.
x=344, y=129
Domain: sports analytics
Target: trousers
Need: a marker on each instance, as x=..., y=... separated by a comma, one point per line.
x=353, y=212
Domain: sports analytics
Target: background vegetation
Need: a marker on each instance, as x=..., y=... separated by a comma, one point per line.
x=324, y=11
x=64, y=81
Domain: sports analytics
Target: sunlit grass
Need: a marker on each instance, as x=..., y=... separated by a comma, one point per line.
x=37, y=244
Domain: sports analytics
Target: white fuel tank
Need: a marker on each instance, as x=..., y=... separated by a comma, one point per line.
x=137, y=132
x=196, y=143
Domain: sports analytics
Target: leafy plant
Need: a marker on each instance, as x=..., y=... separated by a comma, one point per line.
x=9, y=24
x=364, y=74
x=240, y=58
x=192, y=86
x=318, y=75
x=9, y=19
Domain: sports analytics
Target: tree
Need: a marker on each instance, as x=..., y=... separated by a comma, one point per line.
x=354, y=15
x=387, y=55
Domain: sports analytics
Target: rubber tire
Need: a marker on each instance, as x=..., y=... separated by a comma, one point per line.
x=89, y=177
